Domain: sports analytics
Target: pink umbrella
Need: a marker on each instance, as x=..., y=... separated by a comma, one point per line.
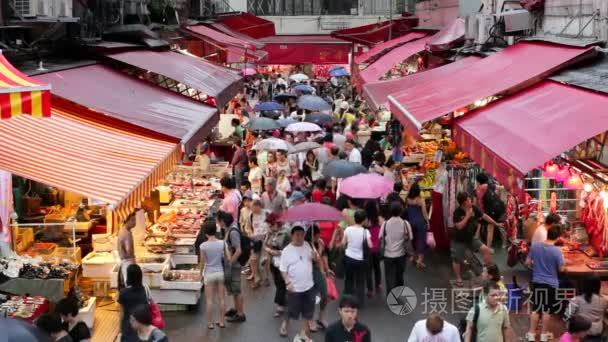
x=308, y=212
x=366, y=185
x=248, y=72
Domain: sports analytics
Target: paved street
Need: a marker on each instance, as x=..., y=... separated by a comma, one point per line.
x=261, y=326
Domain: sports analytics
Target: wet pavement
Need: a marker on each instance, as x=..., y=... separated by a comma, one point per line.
x=386, y=326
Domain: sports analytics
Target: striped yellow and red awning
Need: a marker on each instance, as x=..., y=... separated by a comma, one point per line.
x=21, y=94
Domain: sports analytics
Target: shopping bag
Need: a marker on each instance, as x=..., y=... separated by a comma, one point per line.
x=332, y=290
x=430, y=240
x=157, y=317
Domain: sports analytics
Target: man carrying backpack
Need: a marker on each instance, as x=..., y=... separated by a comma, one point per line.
x=490, y=204
x=240, y=252
x=489, y=319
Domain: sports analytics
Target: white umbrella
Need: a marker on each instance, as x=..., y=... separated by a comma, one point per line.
x=303, y=127
x=299, y=77
x=273, y=144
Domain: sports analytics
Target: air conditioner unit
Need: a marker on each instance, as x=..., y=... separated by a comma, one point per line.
x=63, y=8
x=43, y=8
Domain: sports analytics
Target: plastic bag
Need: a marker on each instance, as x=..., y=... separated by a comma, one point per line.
x=430, y=240
x=332, y=290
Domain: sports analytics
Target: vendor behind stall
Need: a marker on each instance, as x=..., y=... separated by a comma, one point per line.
x=126, y=249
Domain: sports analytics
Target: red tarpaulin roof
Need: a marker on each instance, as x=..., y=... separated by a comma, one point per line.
x=449, y=37
x=134, y=101
x=377, y=33
x=376, y=93
x=306, y=49
x=378, y=49
x=235, y=48
x=115, y=166
x=382, y=65
x=236, y=34
x=513, y=68
x=222, y=38
x=517, y=134
x=247, y=24
x=211, y=79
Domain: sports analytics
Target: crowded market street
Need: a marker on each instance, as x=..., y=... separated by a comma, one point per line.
x=424, y=171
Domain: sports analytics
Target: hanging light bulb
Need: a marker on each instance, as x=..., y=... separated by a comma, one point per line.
x=562, y=174
x=588, y=187
x=550, y=170
x=574, y=182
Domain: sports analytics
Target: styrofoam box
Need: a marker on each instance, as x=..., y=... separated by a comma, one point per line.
x=97, y=269
x=161, y=296
x=149, y=279
x=87, y=314
x=179, y=285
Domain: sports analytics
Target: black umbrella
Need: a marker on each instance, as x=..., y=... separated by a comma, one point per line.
x=20, y=331
x=284, y=97
x=343, y=169
x=322, y=120
x=272, y=114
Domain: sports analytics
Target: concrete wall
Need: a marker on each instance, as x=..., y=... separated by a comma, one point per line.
x=570, y=18
x=437, y=13
x=320, y=24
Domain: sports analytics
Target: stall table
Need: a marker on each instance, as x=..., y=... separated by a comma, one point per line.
x=52, y=289
x=576, y=266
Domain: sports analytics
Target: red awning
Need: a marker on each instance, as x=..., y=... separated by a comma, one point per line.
x=517, y=134
x=382, y=65
x=103, y=162
x=247, y=24
x=109, y=92
x=513, y=68
x=376, y=93
x=386, y=46
x=237, y=55
x=211, y=79
x=373, y=34
x=306, y=49
x=449, y=37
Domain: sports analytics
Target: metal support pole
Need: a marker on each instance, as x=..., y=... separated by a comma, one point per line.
x=390, y=16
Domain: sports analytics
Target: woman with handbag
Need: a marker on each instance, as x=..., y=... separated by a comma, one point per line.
x=395, y=239
x=129, y=298
x=141, y=322
x=357, y=240
x=374, y=274
x=276, y=240
x=418, y=217
x=213, y=253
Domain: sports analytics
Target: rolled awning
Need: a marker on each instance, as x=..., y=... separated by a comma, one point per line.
x=376, y=93
x=306, y=49
x=374, y=71
x=137, y=102
x=519, y=133
x=513, y=68
x=68, y=152
x=212, y=80
x=388, y=45
x=21, y=94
